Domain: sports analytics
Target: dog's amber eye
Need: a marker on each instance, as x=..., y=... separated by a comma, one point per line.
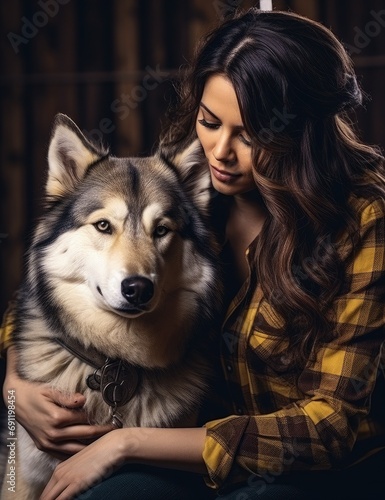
x=161, y=231
x=103, y=226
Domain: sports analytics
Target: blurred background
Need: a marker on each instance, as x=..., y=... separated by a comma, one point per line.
x=110, y=65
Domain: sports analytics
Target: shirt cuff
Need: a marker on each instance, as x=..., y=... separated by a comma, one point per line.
x=220, y=449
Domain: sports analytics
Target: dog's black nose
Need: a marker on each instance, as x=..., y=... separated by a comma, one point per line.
x=137, y=291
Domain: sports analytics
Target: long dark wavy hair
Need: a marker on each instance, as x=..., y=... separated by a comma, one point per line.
x=295, y=86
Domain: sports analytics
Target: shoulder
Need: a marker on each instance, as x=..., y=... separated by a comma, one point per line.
x=369, y=213
x=368, y=209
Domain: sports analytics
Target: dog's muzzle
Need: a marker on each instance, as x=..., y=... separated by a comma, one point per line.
x=138, y=291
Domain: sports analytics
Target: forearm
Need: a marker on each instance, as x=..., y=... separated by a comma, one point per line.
x=176, y=448
x=169, y=448
x=54, y=420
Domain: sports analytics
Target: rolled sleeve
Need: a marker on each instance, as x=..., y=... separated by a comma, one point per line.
x=319, y=425
x=221, y=445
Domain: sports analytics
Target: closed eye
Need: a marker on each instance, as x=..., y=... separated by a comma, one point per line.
x=215, y=126
x=207, y=124
x=245, y=141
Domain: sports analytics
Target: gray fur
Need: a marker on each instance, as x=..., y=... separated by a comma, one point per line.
x=72, y=285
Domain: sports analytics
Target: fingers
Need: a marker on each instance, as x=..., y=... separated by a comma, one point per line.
x=56, y=421
x=58, y=417
x=70, y=401
x=60, y=451
x=85, y=433
x=65, y=441
x=86, y=468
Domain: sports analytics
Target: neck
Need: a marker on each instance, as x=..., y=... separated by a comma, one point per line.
x=246, y=218
x=250, y=204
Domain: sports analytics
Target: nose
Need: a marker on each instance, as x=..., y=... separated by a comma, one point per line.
x=223, y=150
x=137, y=290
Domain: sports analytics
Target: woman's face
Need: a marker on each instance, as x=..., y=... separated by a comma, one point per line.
x=223, y=137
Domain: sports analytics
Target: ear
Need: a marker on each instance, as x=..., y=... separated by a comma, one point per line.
x=194, y=173
x=70, y=155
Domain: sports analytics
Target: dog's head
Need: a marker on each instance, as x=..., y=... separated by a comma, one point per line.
x=123, y=237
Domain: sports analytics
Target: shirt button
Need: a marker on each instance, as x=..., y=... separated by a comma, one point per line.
x=229, y=368
x=239, y=411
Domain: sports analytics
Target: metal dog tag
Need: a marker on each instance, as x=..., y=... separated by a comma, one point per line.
x=116, y=418
x=118, y=383
x=93, y=381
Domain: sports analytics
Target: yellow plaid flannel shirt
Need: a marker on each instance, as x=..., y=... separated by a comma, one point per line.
x=280, y=422
x=7, y=328
x=330, y=414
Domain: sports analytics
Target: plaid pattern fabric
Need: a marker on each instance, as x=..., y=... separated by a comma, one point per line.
x=325, y=417
x=6, y=328
x=282, y=422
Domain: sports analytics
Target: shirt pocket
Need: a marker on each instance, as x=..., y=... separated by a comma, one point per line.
x=268, y=346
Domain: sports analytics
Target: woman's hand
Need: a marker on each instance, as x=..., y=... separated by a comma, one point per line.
x=87, y=468
x=175, y=448
x=55, y=421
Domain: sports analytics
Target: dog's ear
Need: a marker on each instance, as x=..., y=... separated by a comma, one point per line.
x=194, y=173
x=70, y=155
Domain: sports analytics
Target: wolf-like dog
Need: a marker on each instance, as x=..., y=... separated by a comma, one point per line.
x=121, y=289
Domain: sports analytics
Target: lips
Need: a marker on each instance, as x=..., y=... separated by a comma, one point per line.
x=223, y=175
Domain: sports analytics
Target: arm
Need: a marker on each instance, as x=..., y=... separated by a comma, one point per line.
x=314, y=432
x=317, y=415
x=172, y=448
x=55, y=421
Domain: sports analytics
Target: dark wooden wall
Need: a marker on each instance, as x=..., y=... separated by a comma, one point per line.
x=110, y=66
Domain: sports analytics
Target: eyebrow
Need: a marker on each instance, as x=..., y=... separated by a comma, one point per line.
x=202, y=105
x=207, y=109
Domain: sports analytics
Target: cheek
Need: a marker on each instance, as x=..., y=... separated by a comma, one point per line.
x=245, y=159
x=203, y=137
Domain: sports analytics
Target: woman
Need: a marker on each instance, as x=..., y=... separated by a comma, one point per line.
x=303, y=199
